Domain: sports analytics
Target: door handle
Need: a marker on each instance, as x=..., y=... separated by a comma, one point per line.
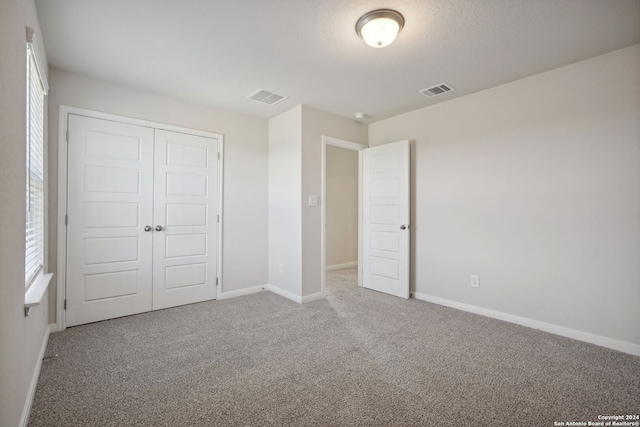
x=403, y=227
x=147, y=228
x=158, y=228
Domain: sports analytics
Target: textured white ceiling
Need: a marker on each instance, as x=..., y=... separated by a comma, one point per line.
x=217, y=52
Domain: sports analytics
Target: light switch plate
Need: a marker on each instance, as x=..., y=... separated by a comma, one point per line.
x=475, y=281
x=313, y=200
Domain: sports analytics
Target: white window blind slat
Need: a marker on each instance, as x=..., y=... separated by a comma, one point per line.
x=34, y=236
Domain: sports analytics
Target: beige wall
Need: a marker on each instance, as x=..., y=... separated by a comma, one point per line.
x=245, y=163
x=535, y=187
x=285, y=177
x=21, y=338
x=341, y=206
x=315, y=124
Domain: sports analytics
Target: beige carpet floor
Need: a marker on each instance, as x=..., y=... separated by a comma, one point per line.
x=341, y=281
x=356, y=358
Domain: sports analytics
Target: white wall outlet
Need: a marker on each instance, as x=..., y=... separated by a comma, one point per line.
x=281, y=268
x=313, y=200
x=475, y=281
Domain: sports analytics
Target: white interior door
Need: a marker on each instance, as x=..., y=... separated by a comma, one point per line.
x=385, y=218
x=110, y=192
x=185, y=219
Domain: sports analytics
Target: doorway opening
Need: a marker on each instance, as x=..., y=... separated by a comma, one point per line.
x=341, y=251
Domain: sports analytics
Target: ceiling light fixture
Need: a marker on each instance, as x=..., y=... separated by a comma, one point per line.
x=379, y=28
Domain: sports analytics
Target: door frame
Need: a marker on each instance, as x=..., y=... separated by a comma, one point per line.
x=349, y=145
x=64, y=111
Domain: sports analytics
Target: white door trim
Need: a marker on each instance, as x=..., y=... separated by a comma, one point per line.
x=64, y=112
x=329, y=140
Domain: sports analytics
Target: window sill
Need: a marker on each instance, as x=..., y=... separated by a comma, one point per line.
x=36, y=291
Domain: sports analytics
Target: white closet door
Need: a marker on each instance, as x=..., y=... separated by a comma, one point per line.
x=110, y=192
x=185, y=214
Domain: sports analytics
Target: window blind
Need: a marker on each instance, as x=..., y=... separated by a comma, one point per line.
x=34, y=243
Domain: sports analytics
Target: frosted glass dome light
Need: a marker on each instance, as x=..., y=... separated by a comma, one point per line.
x=379, y=28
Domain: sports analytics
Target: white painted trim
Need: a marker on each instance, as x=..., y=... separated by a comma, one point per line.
x=221, y=213
x=45, y=153
x=242, y=292
x=312, y=297
x=343, y=143
x=289, y=295
x=614, y=344
x=329, y=140
x=360, y=235
x=36, y=291
x=323, y=212
x=341, y=266
x=276, y=290
x=64, y=112
x=61, y=276
x=40, y=59
x=293, y=297
x=133, y=121
x=26, y=410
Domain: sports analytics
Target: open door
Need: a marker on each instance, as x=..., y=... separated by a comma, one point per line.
x=385, y=218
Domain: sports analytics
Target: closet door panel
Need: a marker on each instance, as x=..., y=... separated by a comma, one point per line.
x=110, y=200
x=185, y=214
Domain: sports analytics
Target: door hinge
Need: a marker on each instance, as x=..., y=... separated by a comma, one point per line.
x=216, y=281
x=217, y=218
x=218, y=155
x=67, y=135
x=66, y=219
x=65, y=304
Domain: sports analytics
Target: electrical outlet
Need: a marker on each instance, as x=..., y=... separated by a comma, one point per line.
x=475, y=281
x=281, y=268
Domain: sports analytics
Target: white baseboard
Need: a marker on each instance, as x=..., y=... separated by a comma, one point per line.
x=623, y=346
x=242, y=292
x=341, y=266
x=275, y=290
x=283, y=293
x=313, y=297
x=26, y=411
x=294, y=297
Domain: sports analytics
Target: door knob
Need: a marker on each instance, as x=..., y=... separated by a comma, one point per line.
x=403, y=227
x=147, y=228
x=158, y=228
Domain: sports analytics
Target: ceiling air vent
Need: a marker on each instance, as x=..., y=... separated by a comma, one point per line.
x=436, y=90
x=266, y=97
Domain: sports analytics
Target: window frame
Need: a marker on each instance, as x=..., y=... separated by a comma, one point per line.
x=36, y=179
x=36, y=286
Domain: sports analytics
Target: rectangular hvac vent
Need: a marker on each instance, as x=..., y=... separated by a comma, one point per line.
x=436, y=90
x=266, y=97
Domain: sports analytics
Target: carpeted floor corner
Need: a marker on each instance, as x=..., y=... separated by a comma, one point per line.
x=357, y=358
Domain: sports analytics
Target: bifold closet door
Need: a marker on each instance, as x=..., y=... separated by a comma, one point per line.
x=185, y=214
x=109, y=202
x=142, y=230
